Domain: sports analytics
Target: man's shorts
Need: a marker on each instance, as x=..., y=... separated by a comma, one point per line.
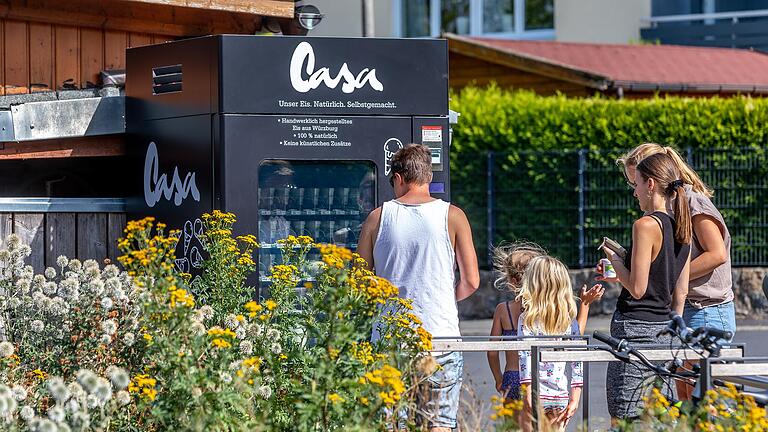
x=442, y=401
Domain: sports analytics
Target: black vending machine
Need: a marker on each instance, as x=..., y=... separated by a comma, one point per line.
x=292, y=134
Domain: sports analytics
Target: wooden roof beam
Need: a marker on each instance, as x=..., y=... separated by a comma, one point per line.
x=473, y=48
x=278, y=8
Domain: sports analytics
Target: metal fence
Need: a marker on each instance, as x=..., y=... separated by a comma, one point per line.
x=568, y=200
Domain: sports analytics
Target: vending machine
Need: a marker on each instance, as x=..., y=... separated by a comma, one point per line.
x=292, y=134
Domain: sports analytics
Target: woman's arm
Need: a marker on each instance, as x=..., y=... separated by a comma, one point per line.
x=681, y=287
x=710, y=237
x=493, y=356
x=645, y=233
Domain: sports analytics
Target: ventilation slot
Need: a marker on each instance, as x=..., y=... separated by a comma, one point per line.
x=166, y=79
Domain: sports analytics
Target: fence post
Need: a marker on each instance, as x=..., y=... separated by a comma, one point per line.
x=490, y=215
x=689, y=156
x=582, y=168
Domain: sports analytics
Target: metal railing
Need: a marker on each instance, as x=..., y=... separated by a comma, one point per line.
x=568, y=200
x=736, y=29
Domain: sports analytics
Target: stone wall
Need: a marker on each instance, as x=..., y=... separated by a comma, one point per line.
x=747, y=281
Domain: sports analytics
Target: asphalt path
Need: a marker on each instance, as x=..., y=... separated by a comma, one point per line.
x=479, y=385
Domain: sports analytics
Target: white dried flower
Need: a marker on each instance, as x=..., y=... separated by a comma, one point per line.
x=50, y=273
x=246, y=348
x=76, y=390
x=75, y=265
x=59, y=306
x=62, y=261
x=26, y=413
x=56, y=413
x=38, y=281
x=19, y=392
x=90, y=264
x=7, y=349
x=13, y=241
x=111, y=271
x=265, y=392
x=7, y=401
x=103, y=390
x=240, y=332
x=58, y=389
x=63, y=427
x=123, y=398
x=230, y=321
x=206, y=311
x=106, y=303
x=96, y=287
x=37, y=326
x=50, y=288
x=276, y=348
x=225, y=377
x=129, y=339
x=81, y=420
x=105, y=339
x=87, y=379
x=69, y=288
x=109, y=326
x=14, y=303
x=273, y=334
x=24, y=285
x=45, y=425
x=197, y=328
x=255, y=330
x=119, y=377
x=196, y=392
x=91, y=401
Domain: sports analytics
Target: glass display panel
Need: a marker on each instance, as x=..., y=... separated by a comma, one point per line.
x=326, y=200
x=416, y=18
x=539, y=14
x=455, y=16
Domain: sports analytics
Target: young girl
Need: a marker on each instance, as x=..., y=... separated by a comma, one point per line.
x=549, y=309
x=510, y=261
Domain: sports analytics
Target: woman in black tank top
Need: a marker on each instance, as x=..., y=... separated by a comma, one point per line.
x=654, y=278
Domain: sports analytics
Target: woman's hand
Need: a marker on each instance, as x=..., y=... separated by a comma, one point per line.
x=500, y=386
x=611, y=255
x=588, y=296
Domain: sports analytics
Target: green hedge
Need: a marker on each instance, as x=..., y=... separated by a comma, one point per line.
x=535, y=142
x=503, y=120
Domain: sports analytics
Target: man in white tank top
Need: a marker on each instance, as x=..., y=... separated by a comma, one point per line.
x=416, y=241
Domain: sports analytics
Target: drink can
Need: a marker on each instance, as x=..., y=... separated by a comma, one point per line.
x=608, y=270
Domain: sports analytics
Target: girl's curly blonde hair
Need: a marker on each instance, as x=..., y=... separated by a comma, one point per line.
x=547, y=296
x=510, y=260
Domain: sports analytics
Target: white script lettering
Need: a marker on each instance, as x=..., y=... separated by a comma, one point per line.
x=305, y=54
x=156, y=187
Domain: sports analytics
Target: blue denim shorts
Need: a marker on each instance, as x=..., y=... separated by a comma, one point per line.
x=442, y=404
x=722, y=316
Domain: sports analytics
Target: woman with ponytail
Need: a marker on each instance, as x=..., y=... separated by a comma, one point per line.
x=654, y=278
x=710, y=293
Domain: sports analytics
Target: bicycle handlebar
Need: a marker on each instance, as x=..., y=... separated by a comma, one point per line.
x=616, y=344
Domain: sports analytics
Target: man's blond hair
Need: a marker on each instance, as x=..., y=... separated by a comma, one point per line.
x=414, y=163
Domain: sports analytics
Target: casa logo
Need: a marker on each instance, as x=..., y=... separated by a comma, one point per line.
x=303, y=62
x=158, y=186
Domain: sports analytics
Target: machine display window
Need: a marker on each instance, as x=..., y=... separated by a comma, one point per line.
x=326, y=200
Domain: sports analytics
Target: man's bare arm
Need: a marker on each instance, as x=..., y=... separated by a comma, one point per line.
x=469, y=274
x=368, y=234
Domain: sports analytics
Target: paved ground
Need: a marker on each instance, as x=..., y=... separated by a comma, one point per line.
x=480, y=381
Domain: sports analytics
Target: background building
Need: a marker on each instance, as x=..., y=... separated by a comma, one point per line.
x=721, y=23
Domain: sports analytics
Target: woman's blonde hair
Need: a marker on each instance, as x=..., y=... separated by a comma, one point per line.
x=687, y=174
x=547, y=296
x=510, y=260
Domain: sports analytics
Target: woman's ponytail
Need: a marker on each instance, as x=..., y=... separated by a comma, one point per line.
x=683, y=226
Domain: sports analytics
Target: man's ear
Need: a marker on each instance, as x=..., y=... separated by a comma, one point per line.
x=397, y=178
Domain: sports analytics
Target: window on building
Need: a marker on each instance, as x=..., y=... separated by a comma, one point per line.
x=514, y=19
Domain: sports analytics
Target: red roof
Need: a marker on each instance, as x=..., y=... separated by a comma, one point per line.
x=648, y=65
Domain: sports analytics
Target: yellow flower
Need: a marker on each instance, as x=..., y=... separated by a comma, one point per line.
x=389, y=379
x=144, y=386
x=220, y=332
x=39, y=374
x=182, y=298
x=220, y=343
x=147, y=337
x=333, y=353
x=270, y=305
x=284, y=273
x=335, y=398
x=240, y=318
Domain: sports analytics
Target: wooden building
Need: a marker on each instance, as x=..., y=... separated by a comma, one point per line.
x=581, y=69
x=52, y=54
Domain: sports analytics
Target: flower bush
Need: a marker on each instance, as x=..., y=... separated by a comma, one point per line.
x=87, y=348
x=722, y=409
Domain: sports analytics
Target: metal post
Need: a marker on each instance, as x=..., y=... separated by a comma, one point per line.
x=534, y=388
x=585, y=396
x=490, y=215
x=689, y=156
x=582, y=168
x=368, y=30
